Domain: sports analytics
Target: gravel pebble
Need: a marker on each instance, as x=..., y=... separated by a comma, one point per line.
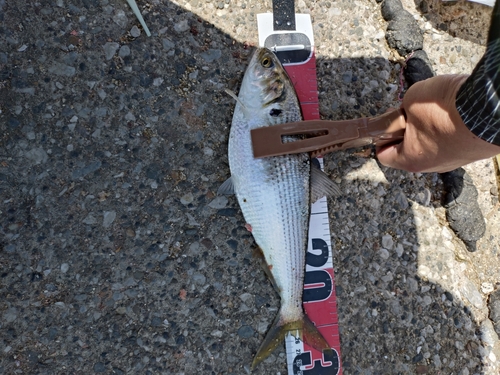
x=124, y=51
x=110, y=49
x=120, y=18
x=187, y=199
x=218, y=202
x=108, y=219
x=245, y=332
x=135, y=32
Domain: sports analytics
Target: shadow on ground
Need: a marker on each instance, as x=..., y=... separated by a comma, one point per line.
x=460, y=19
x=116, y=256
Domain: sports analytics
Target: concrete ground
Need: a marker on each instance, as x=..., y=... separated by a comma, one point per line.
x=118, y=258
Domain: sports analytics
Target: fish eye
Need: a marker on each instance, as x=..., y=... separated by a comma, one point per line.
x=266, y=62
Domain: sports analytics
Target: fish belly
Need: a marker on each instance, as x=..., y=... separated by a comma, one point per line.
x=273, y=194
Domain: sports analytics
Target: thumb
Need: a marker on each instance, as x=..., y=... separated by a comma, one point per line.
x=391, y=156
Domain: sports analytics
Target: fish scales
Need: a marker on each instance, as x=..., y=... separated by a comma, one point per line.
x=273, y=193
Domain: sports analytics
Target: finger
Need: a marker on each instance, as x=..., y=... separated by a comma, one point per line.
x=398, y=156
x=390, y=155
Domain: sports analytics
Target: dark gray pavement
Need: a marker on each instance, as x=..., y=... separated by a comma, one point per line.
x=117, y=257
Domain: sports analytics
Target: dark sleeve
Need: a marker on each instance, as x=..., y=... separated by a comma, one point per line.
x=478, y=100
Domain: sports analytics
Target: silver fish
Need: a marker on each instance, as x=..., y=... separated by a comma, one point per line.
x=275, y=193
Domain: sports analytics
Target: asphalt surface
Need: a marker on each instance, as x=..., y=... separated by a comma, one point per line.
x=116, y=255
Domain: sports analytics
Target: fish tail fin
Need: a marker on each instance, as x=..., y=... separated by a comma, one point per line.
x=303, y=329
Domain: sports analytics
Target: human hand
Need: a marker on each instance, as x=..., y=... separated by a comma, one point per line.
x=436, y=139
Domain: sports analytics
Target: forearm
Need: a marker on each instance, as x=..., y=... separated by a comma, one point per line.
x=478, y=99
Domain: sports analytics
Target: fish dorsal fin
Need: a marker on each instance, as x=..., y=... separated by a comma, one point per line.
x=227, y=187
x=235, y=97
x=321, y=185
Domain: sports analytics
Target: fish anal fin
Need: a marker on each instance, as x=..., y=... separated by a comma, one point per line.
x=322, y=185
x=258, y=253
x=227, y=187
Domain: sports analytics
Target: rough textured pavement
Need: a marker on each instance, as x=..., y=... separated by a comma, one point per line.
x=117, y=257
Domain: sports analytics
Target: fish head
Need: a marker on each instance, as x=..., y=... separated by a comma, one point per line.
x=266, y=89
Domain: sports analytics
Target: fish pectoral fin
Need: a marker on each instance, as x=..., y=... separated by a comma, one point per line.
x=243, y=107
x=303, y=329
x=233, y=95
x=227, y=187
x=322, y=185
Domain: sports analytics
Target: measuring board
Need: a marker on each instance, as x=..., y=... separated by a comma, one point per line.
x=290, y=36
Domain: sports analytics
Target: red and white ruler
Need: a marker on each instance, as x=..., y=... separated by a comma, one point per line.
x=290, y=36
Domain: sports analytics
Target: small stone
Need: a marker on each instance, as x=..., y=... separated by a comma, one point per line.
x=199, y=278
x=245, y=332
x=124, y=51
x=64, y=267
x=135, y=32
x=110, y=49
x=399, y=250
x=387, y=241
x=211, y=55
x=37, y=156
x=99, y=367
x=120, y=18
x=412, y=284
x=10, y=248
x=167, y=44
x=187, y=199
x=193, y=75
x=245, y=297
x=218, y=202
x=109, y=217
x=130, y=116
x=82, y=172
x=62, y=69
x=471, y=293
x=217, y=333
x=89, y=220
x=347, y=76
x=401, y=199
x=121, y=310
x=488, y=334
x=10, y=315
x=487, y=287
x=181, y=26
x=424, y=197
x=156, y=321
x=157, y=81
x=419, y=357
x=384, y=253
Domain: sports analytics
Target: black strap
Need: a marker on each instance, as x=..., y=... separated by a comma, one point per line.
x=284, y=15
